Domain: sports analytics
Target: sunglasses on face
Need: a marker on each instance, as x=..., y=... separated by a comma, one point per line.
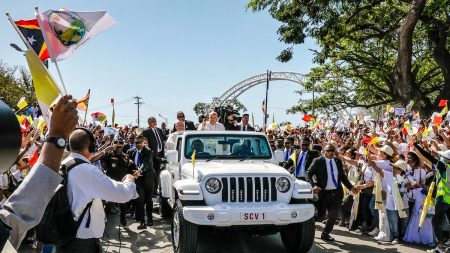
x=305, y=144
x=180, y=116
x=137, y=142
x=330, y=150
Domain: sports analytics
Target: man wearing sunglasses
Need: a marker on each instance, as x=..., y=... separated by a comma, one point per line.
x=326, y=175
x=187, y=125
x=304, y=157
x=143, y=159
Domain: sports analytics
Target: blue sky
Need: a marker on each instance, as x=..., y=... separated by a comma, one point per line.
x=172, y=54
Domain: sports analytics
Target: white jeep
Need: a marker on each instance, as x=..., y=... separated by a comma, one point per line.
x=234, y=183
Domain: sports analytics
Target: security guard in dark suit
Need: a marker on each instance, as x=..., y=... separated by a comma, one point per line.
x=304, y=156
x=116, y=164
x=143, y=161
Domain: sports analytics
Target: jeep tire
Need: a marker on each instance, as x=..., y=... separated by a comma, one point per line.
x=299, y=237
x=164, y=208
x=184, y=233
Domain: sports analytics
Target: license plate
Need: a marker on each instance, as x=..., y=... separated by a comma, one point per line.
x=255, y=216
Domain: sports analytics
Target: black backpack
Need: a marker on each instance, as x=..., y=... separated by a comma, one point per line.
x=57, y=225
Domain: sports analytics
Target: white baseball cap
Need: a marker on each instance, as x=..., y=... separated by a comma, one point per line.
x=386, y=149
x=445, y=154
x=400, y=164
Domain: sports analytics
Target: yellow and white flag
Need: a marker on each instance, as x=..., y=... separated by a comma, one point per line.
x=22, y=103
x=45, y=87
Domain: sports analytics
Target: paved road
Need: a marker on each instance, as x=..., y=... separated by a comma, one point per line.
x=157, y=239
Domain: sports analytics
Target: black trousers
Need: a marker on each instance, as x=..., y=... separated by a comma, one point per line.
x=346, y=208
x=439, y=218
x=81, y=245
x=329, y=202
x=157, y=166
x=145, y=186
x=364, y=205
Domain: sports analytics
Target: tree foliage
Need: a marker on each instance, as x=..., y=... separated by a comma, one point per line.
x=372, y=52
x=15, y=83
x=202, y=108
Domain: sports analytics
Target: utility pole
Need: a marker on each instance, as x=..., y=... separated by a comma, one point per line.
x=138, y=103
x=269, y=74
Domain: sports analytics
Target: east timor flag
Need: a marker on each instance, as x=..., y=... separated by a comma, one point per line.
x=32, y=33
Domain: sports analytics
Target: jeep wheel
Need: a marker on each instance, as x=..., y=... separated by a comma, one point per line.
x=299, y=237
x=164, y=207
x=184, y=233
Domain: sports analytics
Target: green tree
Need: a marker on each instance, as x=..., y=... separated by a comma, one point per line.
x=15, y=83
x=372, y=52
x=202, y=108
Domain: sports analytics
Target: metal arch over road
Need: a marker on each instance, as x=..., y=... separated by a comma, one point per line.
x=248, y=83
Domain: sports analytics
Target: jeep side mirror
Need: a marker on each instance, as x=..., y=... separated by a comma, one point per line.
x=172, y=156
x=279, y=156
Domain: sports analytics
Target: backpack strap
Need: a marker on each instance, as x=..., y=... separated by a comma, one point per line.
x=88, y=222
x=67, y=167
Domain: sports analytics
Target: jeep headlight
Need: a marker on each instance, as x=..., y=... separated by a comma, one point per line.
x=213, y=185
x=283, y=184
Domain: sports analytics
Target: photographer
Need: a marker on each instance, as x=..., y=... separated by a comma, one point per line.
x=231, y=123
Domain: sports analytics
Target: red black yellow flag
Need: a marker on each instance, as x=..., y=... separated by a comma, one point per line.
x=32, y=33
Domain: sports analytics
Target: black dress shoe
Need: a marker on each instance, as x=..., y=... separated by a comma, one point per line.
x=150, y=223
x=142, y=226
x=327, y=237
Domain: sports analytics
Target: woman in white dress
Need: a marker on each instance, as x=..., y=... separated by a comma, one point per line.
x=425, y=234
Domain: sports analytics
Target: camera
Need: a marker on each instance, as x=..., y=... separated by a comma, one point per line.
x=226, y=111
x=10, y=137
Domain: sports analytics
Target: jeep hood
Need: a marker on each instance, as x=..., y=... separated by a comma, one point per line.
x=236, y=168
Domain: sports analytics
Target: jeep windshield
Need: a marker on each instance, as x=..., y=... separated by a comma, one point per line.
x=223, y=146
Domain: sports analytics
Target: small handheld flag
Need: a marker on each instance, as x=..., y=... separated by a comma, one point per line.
x=98, y=116
x=307, y=117
x=22, y=103
x=442, y=103
x=409, y=106
x=83, y=103
x=194, y=154
x=428, y=202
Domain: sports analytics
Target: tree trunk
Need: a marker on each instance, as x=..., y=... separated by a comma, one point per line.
x=406, y=88
x=437, y=35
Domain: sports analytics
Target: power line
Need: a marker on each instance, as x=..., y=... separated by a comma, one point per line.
x=109, y=105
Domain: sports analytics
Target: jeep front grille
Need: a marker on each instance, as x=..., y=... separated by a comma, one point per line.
x=249, y=189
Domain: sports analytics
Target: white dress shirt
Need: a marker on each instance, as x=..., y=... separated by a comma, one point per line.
x=87, y=183
x=244, y=128
x=369, y=173
x=302, y=171
x=388, y=180
x=208, y=127
x=330, y=183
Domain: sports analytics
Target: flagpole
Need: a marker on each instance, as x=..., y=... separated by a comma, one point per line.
x=25, y=41
x=87, y=107
x=50, y=49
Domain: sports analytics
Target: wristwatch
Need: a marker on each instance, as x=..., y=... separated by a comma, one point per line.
x=60, y=142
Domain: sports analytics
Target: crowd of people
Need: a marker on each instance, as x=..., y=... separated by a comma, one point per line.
x=373, y=177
